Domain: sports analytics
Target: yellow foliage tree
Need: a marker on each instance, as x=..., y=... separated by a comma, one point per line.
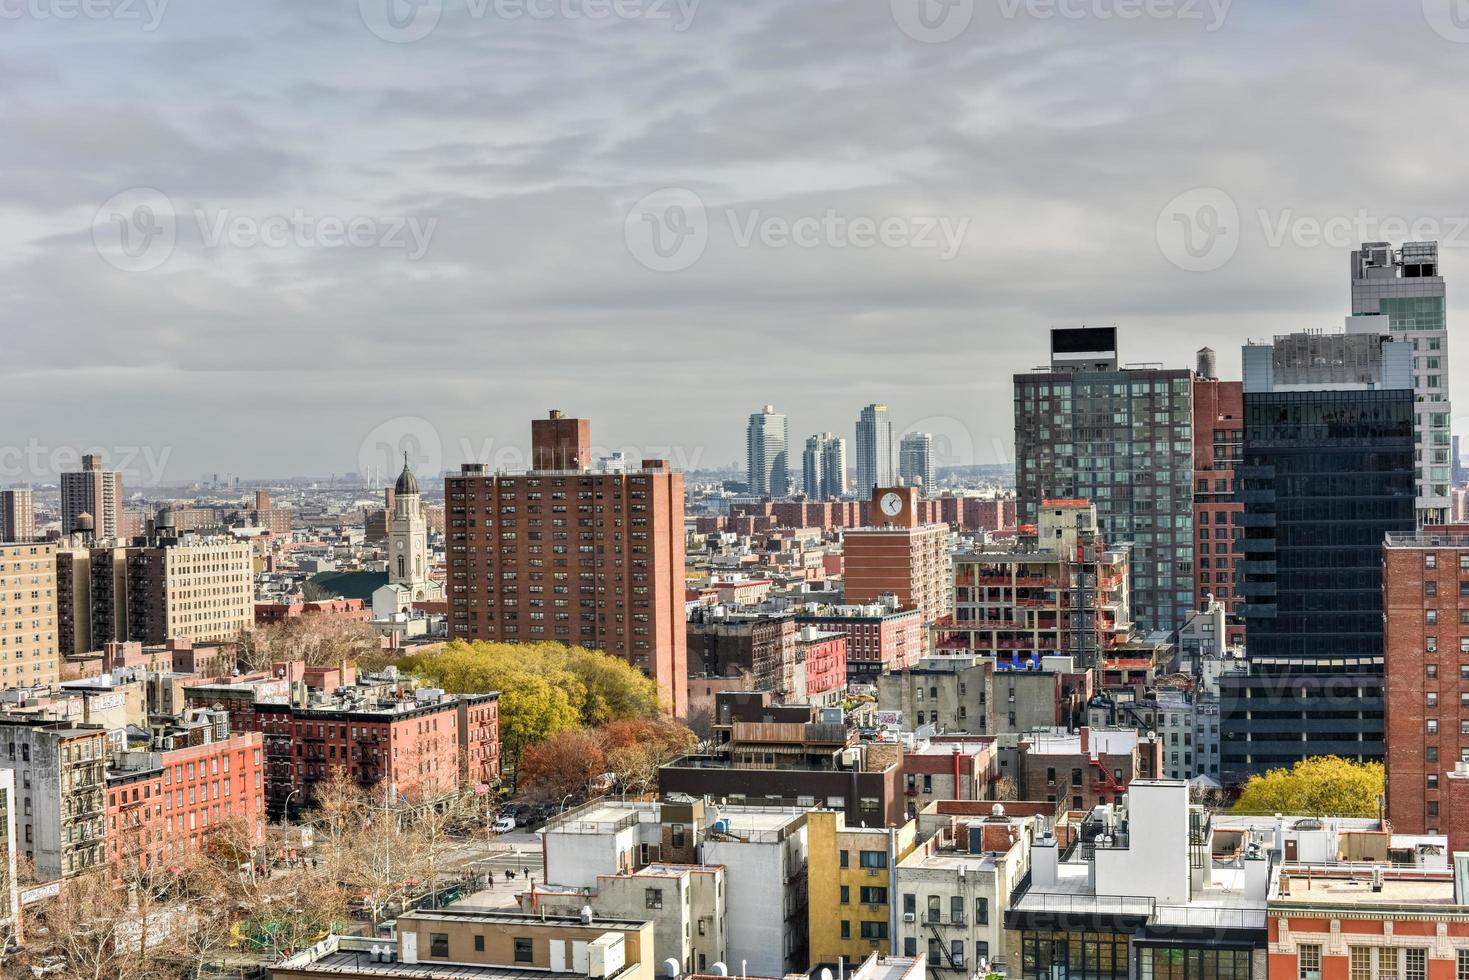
x=545, y=688
x=1324, y=786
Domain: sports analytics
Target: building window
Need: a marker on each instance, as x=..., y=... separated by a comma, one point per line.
x=845, y=859
x=1360, y=958
x=1462, y=957
x=874, y=896
x=846, y=894
x=874, y=859
x=879, y=930
x=1309, y=963
x=479, y=944
x=438, y=944
x=1415, y=963
x=653, y=898
x=524, y=951
x=846, y=929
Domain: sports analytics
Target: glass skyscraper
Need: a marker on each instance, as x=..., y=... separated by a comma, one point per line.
x=874, y=450
x=1401, y=293
x=1121, y=437
x=767, y=459
x=1326, y=473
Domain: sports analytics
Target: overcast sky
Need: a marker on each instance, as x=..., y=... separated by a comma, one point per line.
x=274, y=238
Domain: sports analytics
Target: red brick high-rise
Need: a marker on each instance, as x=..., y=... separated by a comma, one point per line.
x=899, y=554
x=560, y=443
x=571, y=555
x=1425, y=586
x=1219, y=421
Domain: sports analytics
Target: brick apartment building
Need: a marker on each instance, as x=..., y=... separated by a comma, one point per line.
x=200, y=588
x=1086, y=768
x=159, y=802
x=572, y=555
x=898, y=555
x=28, y=611
x=880, y=637
x=1219, y=428
x=821, y=655
x=1425, y=586
x=414, y=744
x=17, y=516
x=347, y=610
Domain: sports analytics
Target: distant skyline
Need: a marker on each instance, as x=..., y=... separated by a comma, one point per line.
x=264, y=240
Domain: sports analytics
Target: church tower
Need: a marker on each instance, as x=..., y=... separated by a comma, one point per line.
x=408, y=536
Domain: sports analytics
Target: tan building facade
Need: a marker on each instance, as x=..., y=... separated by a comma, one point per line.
x=28, y=604
x=17, y=515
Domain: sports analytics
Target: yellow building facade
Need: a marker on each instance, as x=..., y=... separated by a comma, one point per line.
x=850, y=886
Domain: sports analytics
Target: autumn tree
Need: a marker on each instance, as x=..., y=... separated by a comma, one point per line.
x=1323, y=786
x=636, y=748
x=564, y=765
x=319, y=640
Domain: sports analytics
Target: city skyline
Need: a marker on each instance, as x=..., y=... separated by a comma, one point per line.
x=1071, y=237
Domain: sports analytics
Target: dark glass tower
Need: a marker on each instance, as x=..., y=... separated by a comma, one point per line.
x=1327, y=471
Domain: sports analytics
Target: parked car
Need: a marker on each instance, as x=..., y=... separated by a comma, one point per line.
x=504, y=825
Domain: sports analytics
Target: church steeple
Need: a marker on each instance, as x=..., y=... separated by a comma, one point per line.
x=407, y=482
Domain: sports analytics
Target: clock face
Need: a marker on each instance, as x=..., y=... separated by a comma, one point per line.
x=892, y=504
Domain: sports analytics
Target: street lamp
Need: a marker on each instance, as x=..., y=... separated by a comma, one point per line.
x=564, y=799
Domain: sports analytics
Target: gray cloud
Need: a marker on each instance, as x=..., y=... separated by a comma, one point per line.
x=527, y=141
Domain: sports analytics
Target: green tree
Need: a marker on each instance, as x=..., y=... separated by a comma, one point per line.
x=1324, y=786
x=538, y=696
x=615, y=690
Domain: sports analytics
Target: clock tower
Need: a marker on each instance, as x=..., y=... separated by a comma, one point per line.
x=895, y=506
x=407, y=536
